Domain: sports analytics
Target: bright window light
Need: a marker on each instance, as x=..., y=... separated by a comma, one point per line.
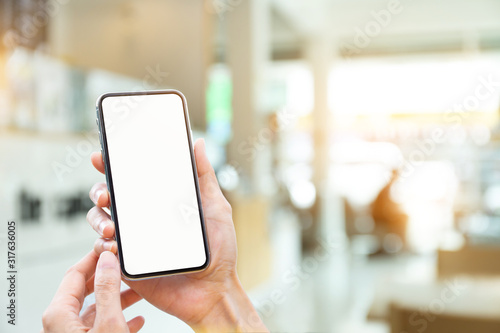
x=290, y=85
x=300, y=94
x=413, y=85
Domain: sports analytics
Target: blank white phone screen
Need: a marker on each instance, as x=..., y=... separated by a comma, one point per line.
x=153, y=180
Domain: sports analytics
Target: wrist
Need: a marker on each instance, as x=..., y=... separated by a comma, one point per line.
x=233, y=312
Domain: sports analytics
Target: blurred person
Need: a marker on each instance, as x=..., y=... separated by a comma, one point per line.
x=212, y=300
x=390, y=219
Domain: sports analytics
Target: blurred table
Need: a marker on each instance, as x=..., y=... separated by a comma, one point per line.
x=445, y=305
x=469, y=260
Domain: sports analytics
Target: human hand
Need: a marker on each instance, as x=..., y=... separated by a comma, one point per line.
x=105, y=315
x=212, y=299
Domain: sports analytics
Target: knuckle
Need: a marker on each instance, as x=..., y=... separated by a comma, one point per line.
x=47, y=318
x=224, y=208
x=106, y=284
x=224, y=205
x=213, y=175
x=112, y=324
x=97, y=219
x=227, y=207
x=71, y=270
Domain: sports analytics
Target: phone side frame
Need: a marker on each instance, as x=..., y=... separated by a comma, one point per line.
x=109, y=182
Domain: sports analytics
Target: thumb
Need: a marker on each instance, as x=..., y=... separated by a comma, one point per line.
x=203, y=166
x=107, y=289
x=209, y=186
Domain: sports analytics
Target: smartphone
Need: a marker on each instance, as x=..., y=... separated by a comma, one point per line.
x=151, y=175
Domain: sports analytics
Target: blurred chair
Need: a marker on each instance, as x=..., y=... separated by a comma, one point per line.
x=390, y=218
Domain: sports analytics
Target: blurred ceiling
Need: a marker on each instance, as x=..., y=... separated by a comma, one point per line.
x=423, y=25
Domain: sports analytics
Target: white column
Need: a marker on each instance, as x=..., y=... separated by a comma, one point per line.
x=319, y=54
x=248, y=54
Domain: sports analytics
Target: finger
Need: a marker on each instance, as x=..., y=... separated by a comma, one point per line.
x=75, y=279
x=134, y=325
x=97, y=161
x=107, y=289
x=89, y=286
x=99, y=195
x=129, y=297
x=73, y=285
x=203, y=166
x=101, y=222
x=209, y=186
x=102, y=244
x=68, y=299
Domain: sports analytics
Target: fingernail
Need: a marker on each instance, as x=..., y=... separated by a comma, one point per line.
x=98, y=195
x=108, y=246
x=102, y=226
x=107, y=260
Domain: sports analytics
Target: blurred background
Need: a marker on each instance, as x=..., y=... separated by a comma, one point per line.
x=357, y=141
